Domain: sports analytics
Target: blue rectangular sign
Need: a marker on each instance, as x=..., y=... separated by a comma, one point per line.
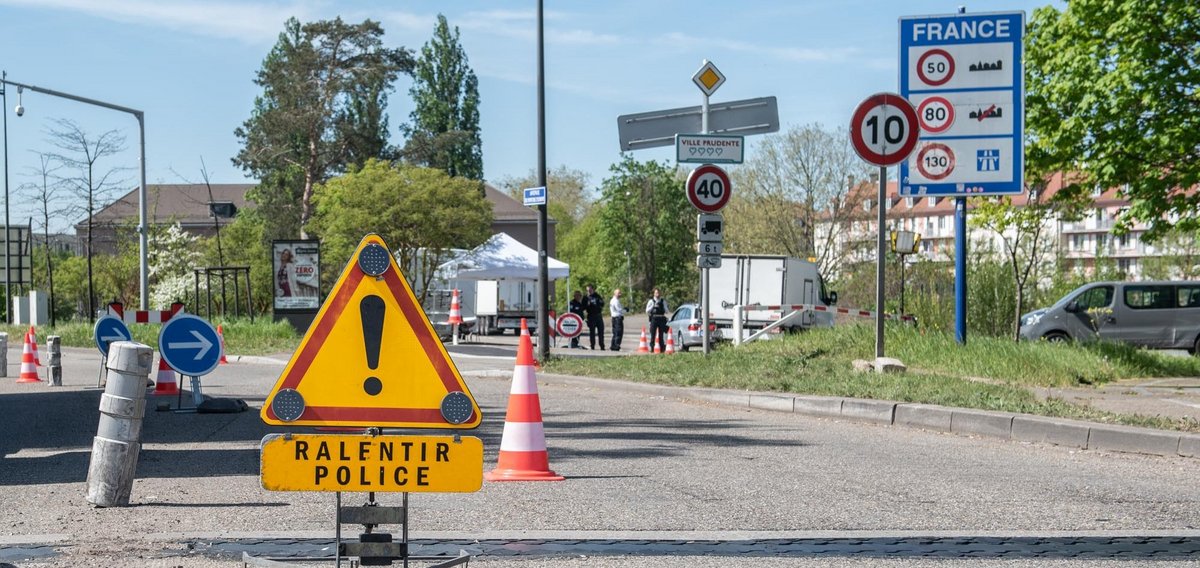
x=535, y=196
x=964, y=75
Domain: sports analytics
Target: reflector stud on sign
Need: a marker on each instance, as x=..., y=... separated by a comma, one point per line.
x=456, y=408
x=288, y=405
x=373, y=260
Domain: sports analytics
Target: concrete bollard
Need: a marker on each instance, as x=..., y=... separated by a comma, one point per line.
x=118, y=438
x=54, y=347
x=3, y=354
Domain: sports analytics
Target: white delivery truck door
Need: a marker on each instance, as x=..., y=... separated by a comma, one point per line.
x=486, y=293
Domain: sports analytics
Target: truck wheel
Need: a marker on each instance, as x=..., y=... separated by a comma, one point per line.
x=1056, y=337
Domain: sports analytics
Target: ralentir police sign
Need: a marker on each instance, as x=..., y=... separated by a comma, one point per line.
x=410, y=464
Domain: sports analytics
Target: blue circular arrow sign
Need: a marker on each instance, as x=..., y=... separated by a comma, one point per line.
x=190, y=345
x=109, y=329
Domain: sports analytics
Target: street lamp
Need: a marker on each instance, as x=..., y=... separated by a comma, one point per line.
x=7, y=273
x=904, y=243
x=143, y=271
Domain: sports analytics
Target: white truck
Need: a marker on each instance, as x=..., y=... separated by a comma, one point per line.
x=500, y=304
x=775, y=283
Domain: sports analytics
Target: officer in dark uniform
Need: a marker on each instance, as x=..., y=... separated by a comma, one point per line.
x=593, y=304
x=657, y=309
x=575, y=306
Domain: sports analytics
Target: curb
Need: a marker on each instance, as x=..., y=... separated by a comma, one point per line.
x=960, y=421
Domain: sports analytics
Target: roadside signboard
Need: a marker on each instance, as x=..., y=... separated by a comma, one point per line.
x=710, y=248
x=964, y=74
x=707, y=261
x=659, y=127
x=109, y=329
x=297, y=269
x=190, y=345
x=710, y=228
x=883, y=129
x=708, y=188
x=569, y=325
x=709, y=149
x=371, y=358
x=346, y=462
x=708, y=78
x=534, y=196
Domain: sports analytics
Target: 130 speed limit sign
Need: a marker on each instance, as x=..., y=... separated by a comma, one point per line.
x=884, y=129
x=708, y=188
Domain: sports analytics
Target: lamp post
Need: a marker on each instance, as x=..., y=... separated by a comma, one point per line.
x=904, y=243
x=143, y=267
x=7, y=272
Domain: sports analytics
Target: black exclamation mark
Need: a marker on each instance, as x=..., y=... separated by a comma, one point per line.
x=372, y=310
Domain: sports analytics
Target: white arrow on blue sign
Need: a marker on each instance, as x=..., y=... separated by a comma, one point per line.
x=190, y=345
x=107, y=330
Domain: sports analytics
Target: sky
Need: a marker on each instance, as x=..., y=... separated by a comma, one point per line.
x=190, y=66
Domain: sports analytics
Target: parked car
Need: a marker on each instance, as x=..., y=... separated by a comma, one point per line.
x=685, y=326
x=1164, y=315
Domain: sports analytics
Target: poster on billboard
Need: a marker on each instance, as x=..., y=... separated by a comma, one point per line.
x=296, y=265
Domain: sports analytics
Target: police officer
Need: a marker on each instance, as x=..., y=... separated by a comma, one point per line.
x=657, y=309
x=593, y=304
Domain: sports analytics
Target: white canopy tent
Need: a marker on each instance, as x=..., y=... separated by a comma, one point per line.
x=502, y=257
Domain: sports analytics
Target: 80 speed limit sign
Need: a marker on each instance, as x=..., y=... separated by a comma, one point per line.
x=708, y=188
x=884, y=129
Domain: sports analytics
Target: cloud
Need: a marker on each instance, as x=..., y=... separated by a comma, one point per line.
x=245, y=21
x=794, y=54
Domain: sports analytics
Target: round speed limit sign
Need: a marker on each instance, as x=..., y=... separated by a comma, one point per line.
x=708, y=188
x=569, y=325
x=884, y=129
x=936, y=115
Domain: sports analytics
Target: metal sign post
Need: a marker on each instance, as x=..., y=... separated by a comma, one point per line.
x=708, y=78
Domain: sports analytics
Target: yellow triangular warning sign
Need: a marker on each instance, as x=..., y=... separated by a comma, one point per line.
x=371, y=358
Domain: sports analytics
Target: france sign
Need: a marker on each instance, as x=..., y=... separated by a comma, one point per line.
x=964, y=75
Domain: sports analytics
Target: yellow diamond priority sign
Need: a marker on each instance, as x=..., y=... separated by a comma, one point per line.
x=708, y=78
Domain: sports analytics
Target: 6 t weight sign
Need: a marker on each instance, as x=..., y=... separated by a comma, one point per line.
x=708, y=188
x=884, y=129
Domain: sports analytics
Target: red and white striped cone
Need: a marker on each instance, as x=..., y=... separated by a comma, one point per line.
x=165, y=382
x=670, y=344
x=33, y=340
x=523, y=455
x=221, y=334
x=28, y=367
x=455, y=318
x=642, y=347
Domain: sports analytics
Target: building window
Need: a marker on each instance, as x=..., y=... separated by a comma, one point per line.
x=866, y=205
x=1123, y=241
x=942, y=223
x=908, y=202
x=1097, y=191
x=930, y=201
x=1076, y=242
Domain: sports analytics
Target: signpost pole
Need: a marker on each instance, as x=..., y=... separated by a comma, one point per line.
x=881, y=250
x=704, y=271
x=960, y=270
x=543, y=315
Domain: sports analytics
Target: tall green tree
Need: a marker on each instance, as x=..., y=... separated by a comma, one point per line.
x=1112, y=94
x=444, y=133
x=325, y=87
x=646, y=214
x=421, y=213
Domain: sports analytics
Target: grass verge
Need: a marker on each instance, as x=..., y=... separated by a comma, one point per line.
x=242, y=337
x=944, y=373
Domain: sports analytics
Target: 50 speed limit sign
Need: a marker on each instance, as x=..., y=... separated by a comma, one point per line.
x=708, y=188
x=884, y=129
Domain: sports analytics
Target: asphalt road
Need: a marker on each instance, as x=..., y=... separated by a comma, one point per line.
x=637, y=467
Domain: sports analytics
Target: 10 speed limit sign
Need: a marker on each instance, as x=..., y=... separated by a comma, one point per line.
x=884, y=129
x=708, y=188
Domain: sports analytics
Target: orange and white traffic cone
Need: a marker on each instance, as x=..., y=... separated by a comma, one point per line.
x=165, y=383
x=33, y=339
x=670, y=344
x=222, y=360
x=455, y=318
x=28, y=367
x=642, y=347
x=523, y=455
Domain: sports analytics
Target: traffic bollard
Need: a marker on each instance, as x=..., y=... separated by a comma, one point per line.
x=54, y=347
x=3, y=354
x=118, y=438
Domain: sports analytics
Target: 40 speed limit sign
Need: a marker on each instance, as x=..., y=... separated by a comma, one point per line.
x=884, y=129
x=708, y=188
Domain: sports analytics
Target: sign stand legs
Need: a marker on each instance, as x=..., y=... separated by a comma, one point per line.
x=960, y=270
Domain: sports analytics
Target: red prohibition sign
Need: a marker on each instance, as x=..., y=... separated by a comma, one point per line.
x=570, y=325
x=708, y=188
x=948, y=68
x=884, y=129
x=927, y=113
x=948, y=164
